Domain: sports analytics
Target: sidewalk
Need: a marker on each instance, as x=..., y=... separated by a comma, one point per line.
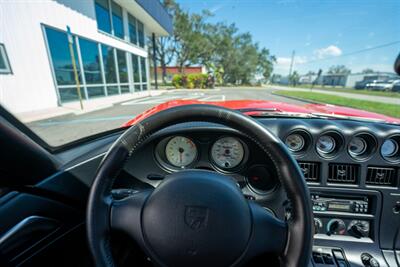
x=88, y=106
x=372, y=98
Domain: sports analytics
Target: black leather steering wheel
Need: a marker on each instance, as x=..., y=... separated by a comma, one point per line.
x=196, y=217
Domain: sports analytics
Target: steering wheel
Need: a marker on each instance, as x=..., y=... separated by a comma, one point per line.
x=197, y=217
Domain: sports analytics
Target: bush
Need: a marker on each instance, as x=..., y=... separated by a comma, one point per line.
x=191, y=81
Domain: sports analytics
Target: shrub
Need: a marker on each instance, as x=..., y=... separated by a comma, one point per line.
x=177, y=81
x=197, y=80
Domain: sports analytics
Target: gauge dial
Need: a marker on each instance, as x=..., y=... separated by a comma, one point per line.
x=227, y=152
x=389, y=148
x=180, y=151
x=326, y=144
x=357, y=146
x=260, y=179
x=295, y=142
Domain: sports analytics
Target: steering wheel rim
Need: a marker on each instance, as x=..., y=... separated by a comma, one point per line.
x=129, y=214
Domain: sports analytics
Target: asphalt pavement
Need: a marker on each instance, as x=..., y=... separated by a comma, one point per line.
x=63, y=129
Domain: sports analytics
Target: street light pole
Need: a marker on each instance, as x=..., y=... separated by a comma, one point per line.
x=71, y=51
x=155, y=60
x=291, y=63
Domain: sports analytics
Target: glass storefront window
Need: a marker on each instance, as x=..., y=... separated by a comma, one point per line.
x=96, y=91
x=112, y=90
x=125, y=89
x=109, y=64
x=143, y=67
x=69, y=94
x=61, y=57
x=90, y=61
x=135, y=68
x=122, y=67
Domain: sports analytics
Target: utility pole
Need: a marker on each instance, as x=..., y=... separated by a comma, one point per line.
x=291, y=63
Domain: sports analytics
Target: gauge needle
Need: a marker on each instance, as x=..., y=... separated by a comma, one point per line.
x=181, y=150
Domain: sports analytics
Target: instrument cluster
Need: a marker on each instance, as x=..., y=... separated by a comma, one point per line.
x=226, y=154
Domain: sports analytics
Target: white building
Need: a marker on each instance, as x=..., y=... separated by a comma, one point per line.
x=109, y=39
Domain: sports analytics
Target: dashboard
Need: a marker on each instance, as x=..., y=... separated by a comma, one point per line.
x=351, y=168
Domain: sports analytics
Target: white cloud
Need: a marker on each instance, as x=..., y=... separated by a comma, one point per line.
x=330, y=51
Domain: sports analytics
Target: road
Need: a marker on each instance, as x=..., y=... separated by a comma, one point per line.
x=63, y=129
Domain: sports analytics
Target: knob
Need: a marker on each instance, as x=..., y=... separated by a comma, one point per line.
x=369, y=261
x=358, y=228
x=336, y=227
x=317, y=225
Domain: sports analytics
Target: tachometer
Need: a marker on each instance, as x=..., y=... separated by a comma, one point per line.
x=180, y=151
x=227, y=152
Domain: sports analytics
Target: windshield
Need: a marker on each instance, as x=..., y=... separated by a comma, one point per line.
x=72, y=69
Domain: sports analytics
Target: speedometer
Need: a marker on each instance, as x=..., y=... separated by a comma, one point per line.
x=180, y=151
x=227, y=152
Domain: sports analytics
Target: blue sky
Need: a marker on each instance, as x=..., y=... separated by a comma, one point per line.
x=321, y=32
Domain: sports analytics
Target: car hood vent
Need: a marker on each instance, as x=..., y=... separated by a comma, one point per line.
x=343, y=173
x=381, y=176
x=310, y=171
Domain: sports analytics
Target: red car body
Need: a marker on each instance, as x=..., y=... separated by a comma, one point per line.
x=275, y=106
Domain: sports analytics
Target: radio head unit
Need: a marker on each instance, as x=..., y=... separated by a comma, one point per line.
x=350, y=205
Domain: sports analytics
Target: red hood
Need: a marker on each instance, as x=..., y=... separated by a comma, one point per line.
x=278, y=106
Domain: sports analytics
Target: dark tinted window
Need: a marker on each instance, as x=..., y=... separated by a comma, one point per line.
x=90, y=61
x=143, y=66
x=132, y=29
x=135, y=68
x=103, y=15
x=141, y=33
x=117, y=20
x=109, y=64
x=122, y=67
x=61, y=57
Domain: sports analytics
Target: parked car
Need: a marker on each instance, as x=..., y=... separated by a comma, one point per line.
x=362, y=84
x=380, y=85
x=396, y=86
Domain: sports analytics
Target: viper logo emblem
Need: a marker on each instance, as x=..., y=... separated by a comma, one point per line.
x=196, y=217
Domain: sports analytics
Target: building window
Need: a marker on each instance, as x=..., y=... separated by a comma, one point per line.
x=5, y=67
x=90, y=61
x=135, y=68
x=103, y=15
x=109, y=64
x=122, y=67
x=61, y=57
x=132, y=29
x=144, y=69
x=117, y=22
x=141, y=33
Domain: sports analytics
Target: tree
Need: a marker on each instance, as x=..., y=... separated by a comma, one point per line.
x=339, y=69
x=310, y=72
x=294, y=78
x=165, y=46
x=367, y=71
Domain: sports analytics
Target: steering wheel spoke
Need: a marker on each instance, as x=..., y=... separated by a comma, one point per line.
x=269, y=233
x=125, y=214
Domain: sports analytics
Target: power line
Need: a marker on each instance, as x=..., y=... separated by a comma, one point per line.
x=355, y=52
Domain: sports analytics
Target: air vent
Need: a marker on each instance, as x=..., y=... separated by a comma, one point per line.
x=310, y=171
x=343, y=173
x=381, y=176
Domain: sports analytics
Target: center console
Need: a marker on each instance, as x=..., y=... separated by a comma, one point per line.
x=346, y=223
